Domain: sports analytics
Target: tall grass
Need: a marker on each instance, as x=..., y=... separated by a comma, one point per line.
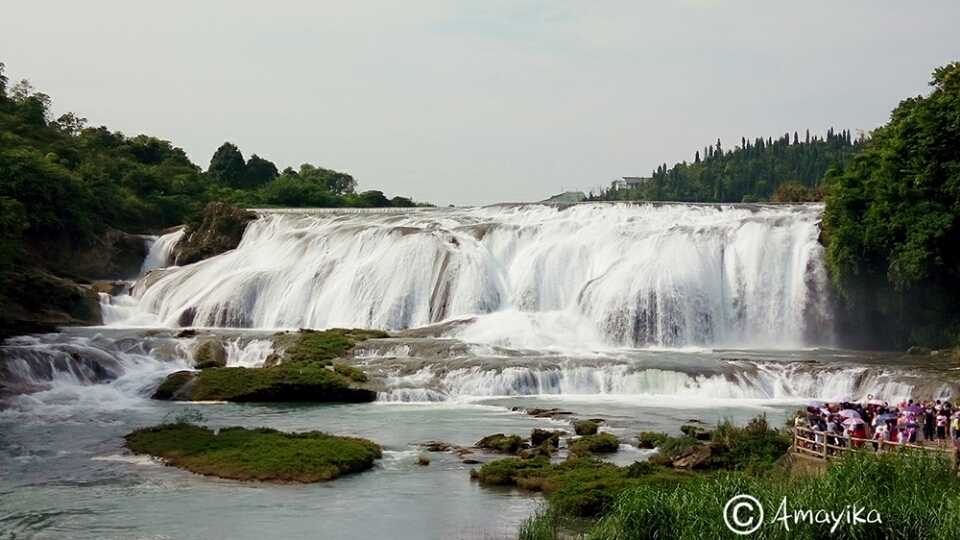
x=916, y=495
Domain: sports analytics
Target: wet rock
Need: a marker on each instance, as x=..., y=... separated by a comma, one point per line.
x=541, y=436
x=175, y=387
x=111, y=288
x=210, y=354
x=272, y=359
x=548, y=413
x=585, y=427
x=501, y=443
x=693, y=457
x=436, y=446
x=220, y=231
x=651, y=439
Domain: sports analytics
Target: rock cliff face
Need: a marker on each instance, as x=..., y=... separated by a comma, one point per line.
x=49, y=286
x=220, y=231
x=39, y=302
x=113, y=255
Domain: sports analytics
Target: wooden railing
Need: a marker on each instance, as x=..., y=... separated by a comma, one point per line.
x=805, y=443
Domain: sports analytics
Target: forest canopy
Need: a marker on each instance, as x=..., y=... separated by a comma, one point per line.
x=892, y=220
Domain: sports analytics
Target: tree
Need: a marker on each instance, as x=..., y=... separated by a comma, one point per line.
x=258, y=172
x=227, y=167
x=70, y=123
x=893, y=219
x=335, y=182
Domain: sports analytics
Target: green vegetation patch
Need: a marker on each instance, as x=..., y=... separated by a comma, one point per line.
x=585, y=427
x=913, y=494
x=651, y=439
x=171, y=384
x=353, y=373
x=601, y=443
x=305, y=374
x=309, y=382
x=584, y=486
x=255, y=454
x=507, y=444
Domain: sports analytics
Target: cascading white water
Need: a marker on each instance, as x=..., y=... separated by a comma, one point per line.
x=524, y=275
x=120, y=309
x=743, y=380
x=160, y=251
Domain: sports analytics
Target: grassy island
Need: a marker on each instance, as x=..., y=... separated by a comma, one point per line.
x=304, y=372
x=255, y=454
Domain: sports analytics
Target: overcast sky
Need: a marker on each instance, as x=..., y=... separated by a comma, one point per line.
x=475, y=102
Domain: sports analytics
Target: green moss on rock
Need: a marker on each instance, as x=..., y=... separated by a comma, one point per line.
x=255, y=454
x=304, y=373
x=601, y=443
x=501, y=443
x=585, y=427
x=353, y=373
x=172, y=384
x=219, y=231
x=310, y=382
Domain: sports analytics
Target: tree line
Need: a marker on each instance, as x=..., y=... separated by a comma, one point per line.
x=62, y=179
x=787, y=169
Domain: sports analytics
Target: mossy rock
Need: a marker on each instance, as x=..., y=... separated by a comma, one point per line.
x=282, y=383
x=302, y=375
x=602, y=443
x=353, y=373
x=210, y=354
x=255, y=454
x=585, y=427
x=540, y=437
x=501, y=443
x=219, y=231
x=172, y=385
x=651, y=439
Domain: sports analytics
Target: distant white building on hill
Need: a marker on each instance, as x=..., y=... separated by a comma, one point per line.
x=629, y=182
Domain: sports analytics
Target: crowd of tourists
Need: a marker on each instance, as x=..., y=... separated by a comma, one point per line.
x=842, y=421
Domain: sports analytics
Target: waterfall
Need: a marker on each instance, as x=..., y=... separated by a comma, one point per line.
x=160, y=251
x=670, y=275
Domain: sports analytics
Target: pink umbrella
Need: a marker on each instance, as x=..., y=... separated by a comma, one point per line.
x=853, y=422
x=878, y=402
x=849, y=413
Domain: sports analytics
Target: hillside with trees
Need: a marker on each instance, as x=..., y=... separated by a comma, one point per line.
x=788, y=169
x=69, y=191
x=893, y=221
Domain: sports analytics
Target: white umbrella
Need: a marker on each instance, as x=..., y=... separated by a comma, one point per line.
x=853, y=422
x=842, y=398
x=849, y=413
x=878, y=402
